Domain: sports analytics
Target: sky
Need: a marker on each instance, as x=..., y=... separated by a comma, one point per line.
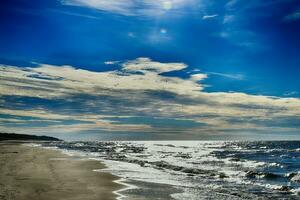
x=151, y=69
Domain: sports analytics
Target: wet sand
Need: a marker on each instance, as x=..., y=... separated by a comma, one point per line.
x=31, y=173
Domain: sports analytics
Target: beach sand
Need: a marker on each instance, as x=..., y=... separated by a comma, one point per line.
x=30, y=173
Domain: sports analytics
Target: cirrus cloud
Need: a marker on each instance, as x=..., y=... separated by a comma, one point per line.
x=132, y=7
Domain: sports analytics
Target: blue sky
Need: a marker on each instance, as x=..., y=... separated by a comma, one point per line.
x=143, y=69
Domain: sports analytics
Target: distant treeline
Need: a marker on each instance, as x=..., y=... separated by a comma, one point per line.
x=13, y=136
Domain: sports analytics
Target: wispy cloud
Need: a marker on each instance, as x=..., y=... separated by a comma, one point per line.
x=111, y=62
x=117, y=6
x=132, y=7
x=291, y=93
x=293, y=16
x=230, y=4
x=209, y=16
x=230, y=76
x=73, y=14
x=228, y=19
x=247, y=39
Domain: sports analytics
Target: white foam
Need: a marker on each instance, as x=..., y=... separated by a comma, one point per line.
x=296, y=191
x=128, y=186
x=32, y=145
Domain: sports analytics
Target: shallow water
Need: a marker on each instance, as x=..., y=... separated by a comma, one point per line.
x=199, y=169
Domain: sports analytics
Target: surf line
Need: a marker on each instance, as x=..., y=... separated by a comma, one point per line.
x=128, y=186
x=120, y=181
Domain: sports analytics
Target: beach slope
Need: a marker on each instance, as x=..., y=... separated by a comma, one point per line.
x=36, y=173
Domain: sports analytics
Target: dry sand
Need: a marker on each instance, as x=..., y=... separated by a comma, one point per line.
x=31, y=173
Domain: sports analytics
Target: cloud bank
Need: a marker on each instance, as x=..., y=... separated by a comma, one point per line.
x=136, y=98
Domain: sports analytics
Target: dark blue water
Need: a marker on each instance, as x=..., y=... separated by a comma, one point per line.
x=282, y=160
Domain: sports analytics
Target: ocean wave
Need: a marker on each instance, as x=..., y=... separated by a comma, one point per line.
x=195, y=165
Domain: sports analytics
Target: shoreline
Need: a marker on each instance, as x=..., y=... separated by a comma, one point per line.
x=29, y=172
x=126, y=187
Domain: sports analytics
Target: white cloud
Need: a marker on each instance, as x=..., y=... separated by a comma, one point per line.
x=163, y=31
x=209, y=16
x=132, y=7
x=111, y=62
x=117, y=6
x=146, y=65
x=73, y=14
x=230, y=76
x=137, y=87
x=198, y=77
x=42, y=114
x=230, y=4
x=47, y=81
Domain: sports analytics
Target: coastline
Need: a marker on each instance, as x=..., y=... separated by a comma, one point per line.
x=39, y=173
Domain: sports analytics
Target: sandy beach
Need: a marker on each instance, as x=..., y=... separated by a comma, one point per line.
x=30, y=173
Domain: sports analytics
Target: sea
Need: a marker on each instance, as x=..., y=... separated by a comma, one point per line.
x=196, y=170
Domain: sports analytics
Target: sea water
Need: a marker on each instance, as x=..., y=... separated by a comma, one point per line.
x=198, y=169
